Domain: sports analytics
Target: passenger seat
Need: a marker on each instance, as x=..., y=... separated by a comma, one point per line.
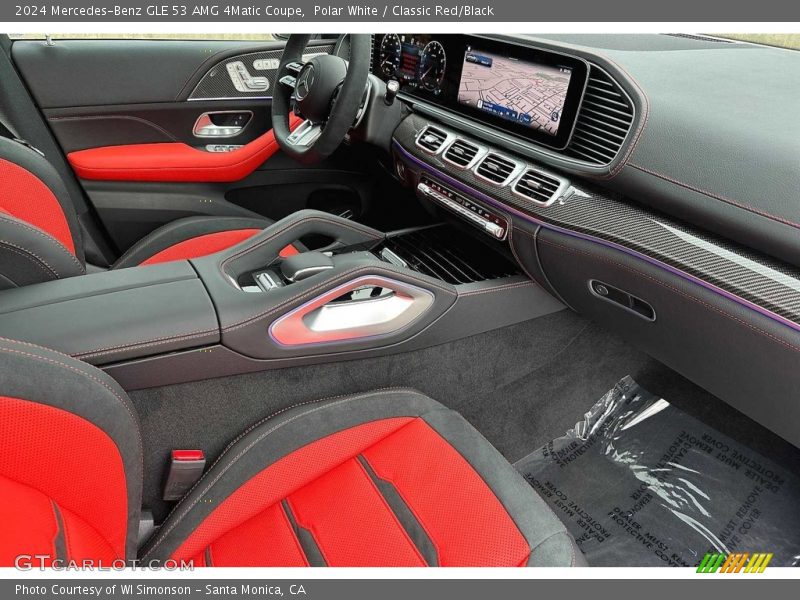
x=382, y=478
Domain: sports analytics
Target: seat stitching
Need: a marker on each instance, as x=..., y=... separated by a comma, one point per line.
x=145, y=343
x=483, y=479
x=41, y=233
x=31, y=257
x=209, y=557
x=329, y=404
x=388, y=508
x=155, y=234
x=60, y=528
x=408, y=504
x=86, y=375
x=563, y=532
x=295, y=538
x=275, y=414
x=321, y=550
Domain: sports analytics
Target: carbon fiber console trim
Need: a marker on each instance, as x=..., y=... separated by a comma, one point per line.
x=217, y=84
x=757, y=281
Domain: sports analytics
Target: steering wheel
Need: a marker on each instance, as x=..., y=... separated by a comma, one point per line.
x=326, y=92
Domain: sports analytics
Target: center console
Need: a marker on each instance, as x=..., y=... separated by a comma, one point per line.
x=364, y=293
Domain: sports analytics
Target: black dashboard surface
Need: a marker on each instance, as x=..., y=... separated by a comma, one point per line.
x=721, y=145
x=717, y=138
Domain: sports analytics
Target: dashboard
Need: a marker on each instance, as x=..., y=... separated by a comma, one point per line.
x=674, y=196
x=529, y=92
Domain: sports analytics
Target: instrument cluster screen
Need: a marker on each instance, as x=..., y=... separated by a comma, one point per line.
x=414, y=60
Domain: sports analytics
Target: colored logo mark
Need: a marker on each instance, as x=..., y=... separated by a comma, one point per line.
x=739, y=562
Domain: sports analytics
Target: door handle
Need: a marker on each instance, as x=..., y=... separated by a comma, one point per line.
x=222, y=124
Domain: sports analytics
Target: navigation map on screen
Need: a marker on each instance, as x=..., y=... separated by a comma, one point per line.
x=527, y=93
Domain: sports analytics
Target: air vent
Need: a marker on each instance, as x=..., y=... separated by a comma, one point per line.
x=537, y=186
x=496, y=169
x=604, y=120
x=461, y=153
x=431, y=139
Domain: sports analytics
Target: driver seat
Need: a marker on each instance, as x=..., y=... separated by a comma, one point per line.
x=40, y=239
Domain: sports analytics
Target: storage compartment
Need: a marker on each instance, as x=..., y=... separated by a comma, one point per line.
x=106, y=317
x=744, y=357
x=448, y=254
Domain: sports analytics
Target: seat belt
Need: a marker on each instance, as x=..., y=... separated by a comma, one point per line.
x=7, y=131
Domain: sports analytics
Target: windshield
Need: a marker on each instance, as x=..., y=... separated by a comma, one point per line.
x=782, y=40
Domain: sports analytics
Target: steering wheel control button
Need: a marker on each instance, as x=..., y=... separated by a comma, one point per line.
x=294, y=67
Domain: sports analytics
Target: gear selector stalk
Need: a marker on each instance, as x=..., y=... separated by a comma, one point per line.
x=302, y=266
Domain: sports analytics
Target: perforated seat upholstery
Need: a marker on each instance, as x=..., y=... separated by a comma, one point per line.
x=383, y=478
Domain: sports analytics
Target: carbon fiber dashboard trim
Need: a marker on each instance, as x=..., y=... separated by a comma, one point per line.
x=760, y=282
x=216, y=84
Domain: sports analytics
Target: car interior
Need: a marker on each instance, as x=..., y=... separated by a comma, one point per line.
x=332, y=300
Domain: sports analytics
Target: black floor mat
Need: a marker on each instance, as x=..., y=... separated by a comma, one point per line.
x=639, y=482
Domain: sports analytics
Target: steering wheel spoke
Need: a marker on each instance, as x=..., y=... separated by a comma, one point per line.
x=305, y=134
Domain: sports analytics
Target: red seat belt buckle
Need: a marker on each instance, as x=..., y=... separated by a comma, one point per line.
x=185, y=469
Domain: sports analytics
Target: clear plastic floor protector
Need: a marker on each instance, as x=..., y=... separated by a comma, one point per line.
x=638, y=482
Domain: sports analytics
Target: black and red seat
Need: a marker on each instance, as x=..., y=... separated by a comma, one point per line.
x=40, y=238
x=383, y=478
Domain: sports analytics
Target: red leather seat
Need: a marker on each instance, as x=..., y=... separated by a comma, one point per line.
x=42, y=238
x=382, y=478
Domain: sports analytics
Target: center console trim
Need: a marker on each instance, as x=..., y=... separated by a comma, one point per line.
x=297, y=327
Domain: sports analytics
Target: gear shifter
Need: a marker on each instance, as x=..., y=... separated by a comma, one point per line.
x=302, y=266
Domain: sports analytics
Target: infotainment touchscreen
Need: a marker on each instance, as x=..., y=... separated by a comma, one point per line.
x=527, y=93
